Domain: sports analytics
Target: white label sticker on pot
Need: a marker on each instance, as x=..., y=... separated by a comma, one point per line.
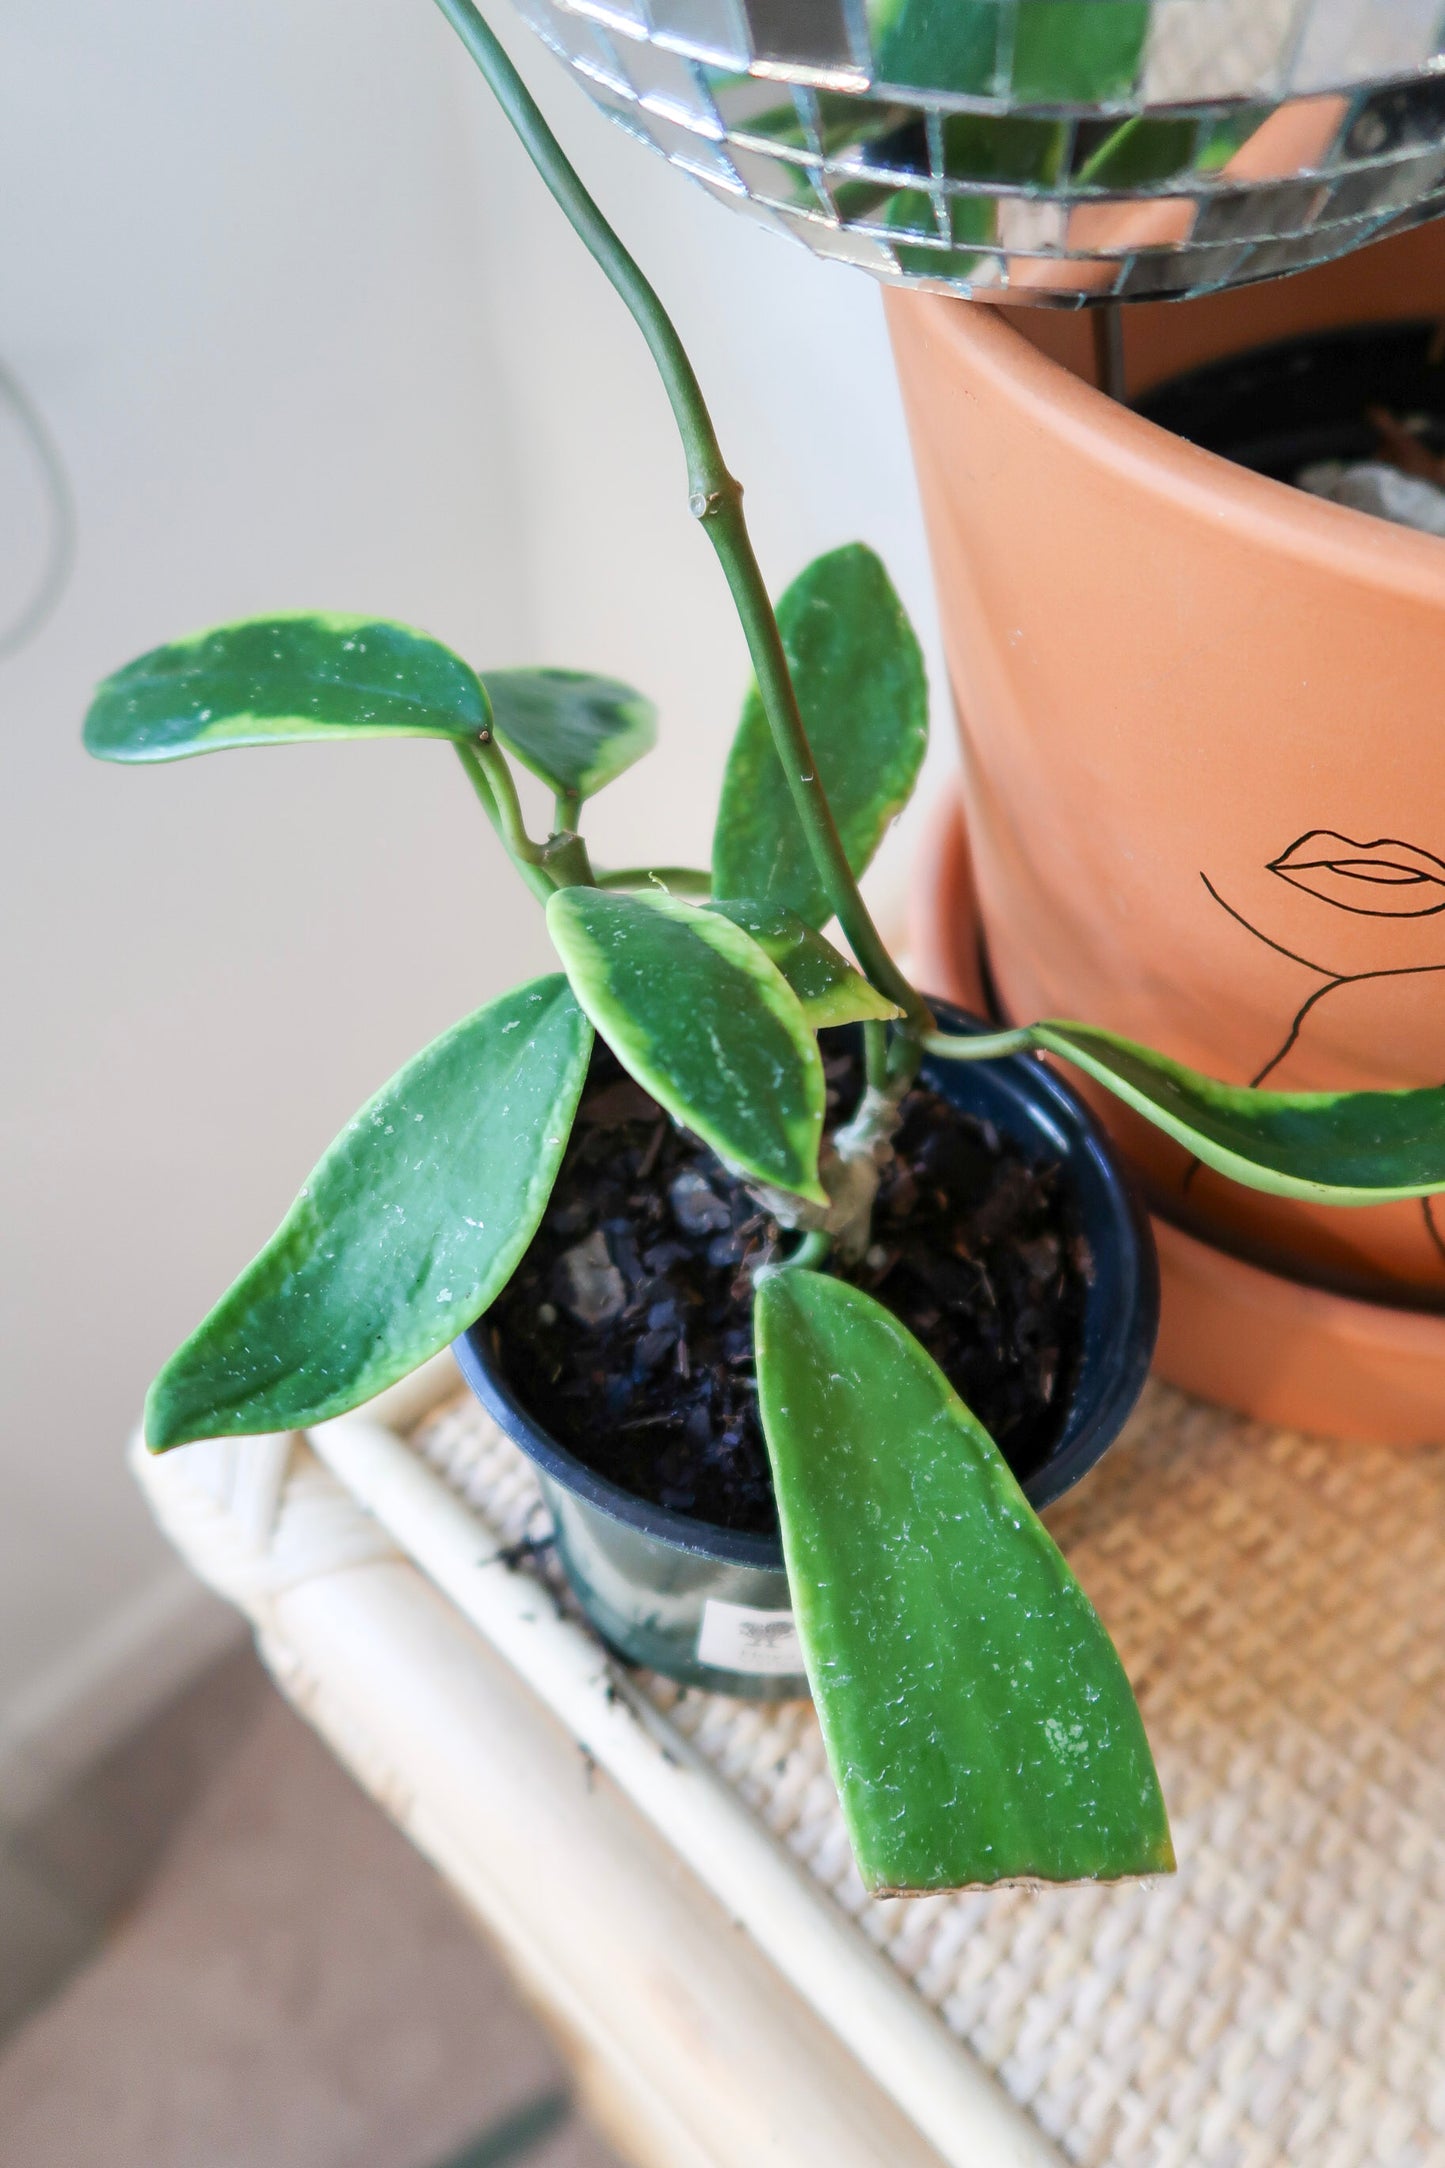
x=737, y=1638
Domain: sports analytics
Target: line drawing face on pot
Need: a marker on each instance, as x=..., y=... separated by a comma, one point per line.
x=1384, y=879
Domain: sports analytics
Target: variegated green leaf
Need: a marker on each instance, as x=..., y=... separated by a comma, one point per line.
x=826, y=984
x=272, y=679
x=979, y=1725
x=699, y=1015
x=572, y=729
x=412, y=1223
x=1344, y=1148
x=858, y=673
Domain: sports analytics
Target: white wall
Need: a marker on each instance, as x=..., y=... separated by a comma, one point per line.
x=309, y=332
x=793, y=357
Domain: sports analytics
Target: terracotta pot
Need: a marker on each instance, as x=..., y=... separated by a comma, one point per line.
x=1169, y=673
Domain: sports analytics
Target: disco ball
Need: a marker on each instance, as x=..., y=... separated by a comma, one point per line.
x=1059, y=152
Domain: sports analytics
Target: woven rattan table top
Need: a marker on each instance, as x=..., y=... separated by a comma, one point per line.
x=1280, y=1605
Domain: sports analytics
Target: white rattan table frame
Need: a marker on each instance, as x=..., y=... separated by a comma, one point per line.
x=667, y=1872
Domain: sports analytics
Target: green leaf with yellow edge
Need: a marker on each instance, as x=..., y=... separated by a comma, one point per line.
x=1342, y=1148
x=409, y=1227
x=978, y=1721
x=573, y=729
x=699, y=1015
x=858, y=673
x=269, y=680
x=830, y=990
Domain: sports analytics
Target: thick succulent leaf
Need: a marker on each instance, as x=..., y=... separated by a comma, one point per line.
x=1345, y=1148
x=978, y=1721
x=858, y=673
x=409, y=1227
x=573, y=730
x=696, y=1012
x=826, y=984
x=271, y=679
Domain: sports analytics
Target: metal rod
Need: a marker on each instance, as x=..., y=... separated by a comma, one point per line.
x=1109, y=351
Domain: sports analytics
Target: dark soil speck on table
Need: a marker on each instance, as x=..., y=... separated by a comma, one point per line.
x=626, y=1330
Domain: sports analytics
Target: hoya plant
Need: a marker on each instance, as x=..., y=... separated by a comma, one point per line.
x=978, y=1721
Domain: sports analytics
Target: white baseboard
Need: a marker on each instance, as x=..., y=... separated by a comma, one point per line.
x=107, y=1685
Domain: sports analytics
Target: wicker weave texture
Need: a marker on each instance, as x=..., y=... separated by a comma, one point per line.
x=1280, y=1606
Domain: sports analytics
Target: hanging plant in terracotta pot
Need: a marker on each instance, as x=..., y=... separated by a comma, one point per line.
x=713, y=1150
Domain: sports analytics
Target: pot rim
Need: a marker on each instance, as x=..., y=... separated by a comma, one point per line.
x=1114, y=1363
x=478, y=1364
x=1149, y=458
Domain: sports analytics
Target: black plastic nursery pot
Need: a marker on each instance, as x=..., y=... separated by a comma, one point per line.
x=709, y=1606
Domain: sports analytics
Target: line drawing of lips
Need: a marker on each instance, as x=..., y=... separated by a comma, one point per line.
x=1383, y=879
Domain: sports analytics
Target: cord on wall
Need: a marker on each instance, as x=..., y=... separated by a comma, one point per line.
x=60, y=557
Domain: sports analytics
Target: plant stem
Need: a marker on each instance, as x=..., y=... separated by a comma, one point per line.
x=565, y=859
x=714, y=498
x=812, y=1250
x=493, y=763
x=978, y=1045
x=527, y=865
x=567, y=811
x=905, y=1059
x=875, y=1056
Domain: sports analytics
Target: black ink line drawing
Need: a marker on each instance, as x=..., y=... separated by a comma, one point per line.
x=1383, y=879
x=1332, y=979
x=1432, y=1227
x=1385, y=863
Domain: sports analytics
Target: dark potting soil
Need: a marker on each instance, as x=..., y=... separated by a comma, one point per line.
x=1284, y=407
x=626, y=1330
